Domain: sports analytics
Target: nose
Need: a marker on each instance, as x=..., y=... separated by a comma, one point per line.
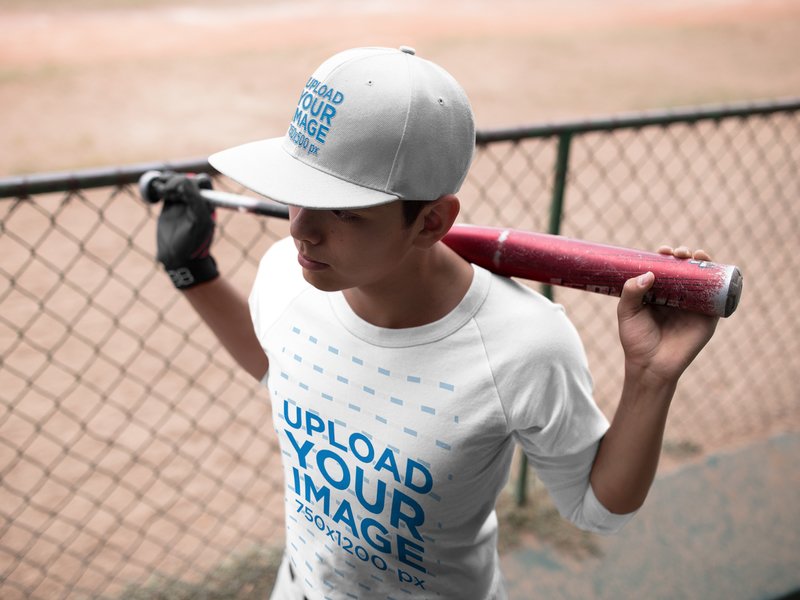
x=305, y=225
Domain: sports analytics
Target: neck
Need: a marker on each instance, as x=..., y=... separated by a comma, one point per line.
x=425, y=288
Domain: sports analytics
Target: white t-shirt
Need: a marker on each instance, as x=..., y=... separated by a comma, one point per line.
x=396, y=442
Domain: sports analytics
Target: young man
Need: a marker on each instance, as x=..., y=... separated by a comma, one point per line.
x=400, y=375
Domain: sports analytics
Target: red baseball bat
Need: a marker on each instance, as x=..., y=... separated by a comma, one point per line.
x=700, y=286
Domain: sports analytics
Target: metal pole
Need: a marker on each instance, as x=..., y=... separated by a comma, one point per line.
x=556, y=211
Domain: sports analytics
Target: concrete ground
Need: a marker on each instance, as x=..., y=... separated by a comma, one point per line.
x=724, y=528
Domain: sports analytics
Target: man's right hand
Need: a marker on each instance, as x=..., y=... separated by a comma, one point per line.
x=185, y=232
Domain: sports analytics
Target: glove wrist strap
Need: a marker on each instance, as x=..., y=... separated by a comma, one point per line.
x=194, y=272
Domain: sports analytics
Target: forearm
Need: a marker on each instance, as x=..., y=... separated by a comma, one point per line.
x=628, y=455
x=227, y=314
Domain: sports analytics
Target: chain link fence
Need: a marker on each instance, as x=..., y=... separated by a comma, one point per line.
x=137, y=461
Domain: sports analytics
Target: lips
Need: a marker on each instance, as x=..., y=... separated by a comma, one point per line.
x=309, y=263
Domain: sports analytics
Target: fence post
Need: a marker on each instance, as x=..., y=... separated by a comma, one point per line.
x=556, y=210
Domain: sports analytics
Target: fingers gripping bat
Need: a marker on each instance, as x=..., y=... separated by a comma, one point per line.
x=699, y=286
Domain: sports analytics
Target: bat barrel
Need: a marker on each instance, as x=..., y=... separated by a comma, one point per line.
x=699, y=286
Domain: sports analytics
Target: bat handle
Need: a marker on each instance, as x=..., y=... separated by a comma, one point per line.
x=152, y=184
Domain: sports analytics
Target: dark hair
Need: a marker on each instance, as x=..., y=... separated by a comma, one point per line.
x=411, y=210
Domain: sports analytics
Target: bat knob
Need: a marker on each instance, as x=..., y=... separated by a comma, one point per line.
x=734, y=292
x=151, y=185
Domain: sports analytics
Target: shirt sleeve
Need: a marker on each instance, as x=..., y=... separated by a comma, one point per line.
x=543, y=380
x=277, y=282
x=546, y=387
x=567, y=481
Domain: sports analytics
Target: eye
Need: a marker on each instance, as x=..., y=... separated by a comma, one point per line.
x=345, y=215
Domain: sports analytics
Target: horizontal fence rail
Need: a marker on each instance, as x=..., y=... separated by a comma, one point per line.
x=137, y=461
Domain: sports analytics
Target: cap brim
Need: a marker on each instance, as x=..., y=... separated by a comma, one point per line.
x=266, y=168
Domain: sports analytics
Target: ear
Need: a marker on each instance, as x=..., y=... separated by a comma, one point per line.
x=436, y=219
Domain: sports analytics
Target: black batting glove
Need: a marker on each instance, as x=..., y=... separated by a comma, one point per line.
x=185, y=232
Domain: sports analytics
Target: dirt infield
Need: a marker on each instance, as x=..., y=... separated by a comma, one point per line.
x=89, y=83
x=82, y=86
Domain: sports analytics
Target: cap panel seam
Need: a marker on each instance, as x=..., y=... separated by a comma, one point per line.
x=412, y=81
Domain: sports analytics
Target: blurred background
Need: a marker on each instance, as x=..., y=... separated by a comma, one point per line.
x=87, y=83
x=137, y=462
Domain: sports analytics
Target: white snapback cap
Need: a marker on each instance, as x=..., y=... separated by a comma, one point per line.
x=372, y=125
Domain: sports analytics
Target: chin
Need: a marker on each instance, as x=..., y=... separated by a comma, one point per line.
x=323, y=283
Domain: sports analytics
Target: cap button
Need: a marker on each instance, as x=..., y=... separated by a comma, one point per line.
x=407, y=50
